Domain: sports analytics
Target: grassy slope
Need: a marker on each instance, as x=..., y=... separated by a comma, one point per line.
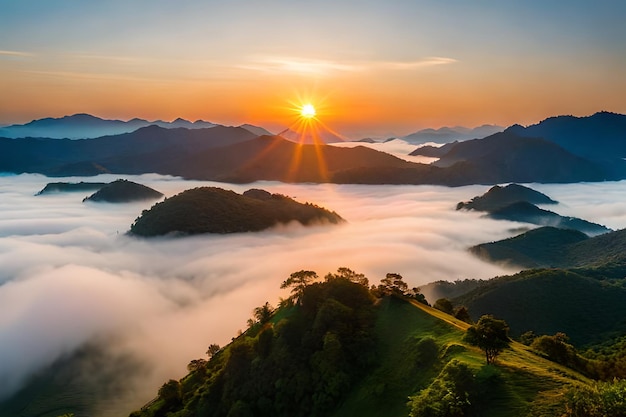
x=524, y=377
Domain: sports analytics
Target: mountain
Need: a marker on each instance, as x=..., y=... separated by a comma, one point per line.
x=451, y=134
x=273, y=158
x=86, y=126
x=601, y=136
x=67, y=187
x=602, y=256
x=124, y=191
x=236, y=155
x=215, y=210
x=259, y=131
x=498, y=197
x=525, y=212
x=548, y=301
x=138, y=152
x=311, y=136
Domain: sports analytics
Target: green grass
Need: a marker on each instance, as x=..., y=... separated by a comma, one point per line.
x=526, y=383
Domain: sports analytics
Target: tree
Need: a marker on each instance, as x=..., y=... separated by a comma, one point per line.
x=196, y=365
x=444, y=305
x=489, y=334
x=350, y=275
x=393, y=284
x=462, y=314
x=298, y=281
x=264, y=313
x=170, y=392
x=212, y=350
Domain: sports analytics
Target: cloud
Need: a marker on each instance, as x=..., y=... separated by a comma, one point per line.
x=320, y=67
x=71, y=277
x=303, y=66
x=420, y=63
x=4, y=54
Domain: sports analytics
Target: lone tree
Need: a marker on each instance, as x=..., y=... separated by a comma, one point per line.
x=298, y=281
x=489, y=334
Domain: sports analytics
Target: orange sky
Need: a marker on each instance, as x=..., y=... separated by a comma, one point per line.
x=374, y=71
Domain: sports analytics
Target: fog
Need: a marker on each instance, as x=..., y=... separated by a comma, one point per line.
x=71, y=276
x=397, y=147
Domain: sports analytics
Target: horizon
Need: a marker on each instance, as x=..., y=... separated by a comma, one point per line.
x=370, y=69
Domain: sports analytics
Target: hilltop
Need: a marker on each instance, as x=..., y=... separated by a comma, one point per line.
x=336, y=348
x=124, y=191
x=68, y=187
x=498, y=197
x=215, y=210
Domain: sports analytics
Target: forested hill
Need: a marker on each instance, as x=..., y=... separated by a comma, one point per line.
x=338, y=348
x=215, y=210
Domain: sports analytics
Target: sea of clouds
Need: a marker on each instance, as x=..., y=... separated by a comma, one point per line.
x=70, y=276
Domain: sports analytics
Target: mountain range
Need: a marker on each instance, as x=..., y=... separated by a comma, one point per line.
x=238, y=154
x=451, y=134
x=86, y=126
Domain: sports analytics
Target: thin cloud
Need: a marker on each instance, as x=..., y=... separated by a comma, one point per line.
x=15, y=53
x=298, y=65
x=320, y=67
x=421, y=63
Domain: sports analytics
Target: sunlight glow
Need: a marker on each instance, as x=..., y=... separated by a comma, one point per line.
x=308, y=111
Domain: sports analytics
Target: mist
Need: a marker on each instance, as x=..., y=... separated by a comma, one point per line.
x=70, y=276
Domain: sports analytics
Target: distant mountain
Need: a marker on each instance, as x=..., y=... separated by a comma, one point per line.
x=259, y=131
x=498, y=197
x=433, y=151
x=517, y=203
x=69, y=187
x=232, y=154
x=123, y=191
x=525, y=212
x=600, y=136
x=310, y=137
x=215, y=210
x=141, y=151
x=521, y=159
x=86, y=126
x=451, y=134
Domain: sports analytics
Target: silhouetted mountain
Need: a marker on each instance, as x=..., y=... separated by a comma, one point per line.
x=600, y=136
x=123, y=191
x=451, y=134
x=83, y=126
x=215, y=210
x=68, y=187
x=259, y=131
x=235, y=154
x=498, y=197
x=138, y=152
x=521, y=159
x=433, y=151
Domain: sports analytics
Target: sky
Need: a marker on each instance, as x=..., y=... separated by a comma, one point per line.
x=371, y=68
x=71, y=277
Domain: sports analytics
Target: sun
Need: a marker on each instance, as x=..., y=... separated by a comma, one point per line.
x=308, y=111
